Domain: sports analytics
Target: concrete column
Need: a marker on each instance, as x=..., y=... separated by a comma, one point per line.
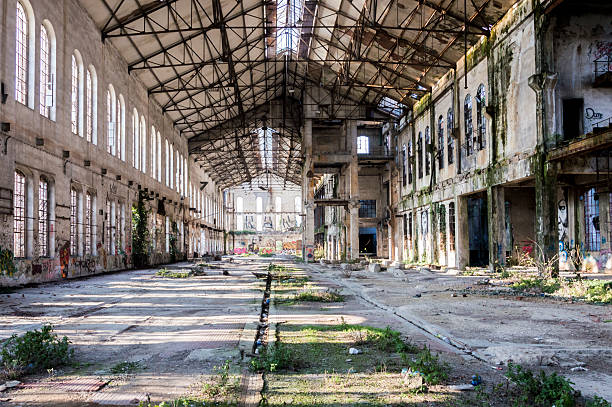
x=353, y=173
x=496, y=218
x=462, y=237
x=547, y=232
x=308, y=193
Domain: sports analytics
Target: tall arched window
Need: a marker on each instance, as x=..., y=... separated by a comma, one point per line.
x=481, y=120
x=441, y=143
x=121, y=128
x=298, y=209
x=410, y=161
x=171, y=178
x=449, y=135
x=73, y=222
x=43, y=217
x=427, y=151
x=153, y=152
x=420, y=154
x=277, y=209
x=91, y=108
x=47, y=65
x=88, y=221
x=19, y=215
x=111, y=121
x=88, y=102
x=159, y=159
x=143, y=145
x=259, y=208
x=75, y=97
x=135, y=139
x=469, y=131
x=24, y=54
x=404, y=164
x=167, y=166
x=239, y=214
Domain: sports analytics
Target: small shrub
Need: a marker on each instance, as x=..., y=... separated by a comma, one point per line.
x=125, y=368
x=34, y=351
x=541, y=390
x=429, y=366
x=274, y=358
x=222, y=388
x=313, y=296
x=598, y=402
x=544, y=285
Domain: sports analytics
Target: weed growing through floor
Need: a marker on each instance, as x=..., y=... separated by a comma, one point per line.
x=167, y=273
x=34, y=351
x=126, y=368
x=312, y=296
x=540, y=390
x=598, y=402
x=592, y=291
x=223, y=386
x=428, y=366
x=275, y=357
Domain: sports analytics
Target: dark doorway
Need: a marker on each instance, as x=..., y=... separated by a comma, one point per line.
x=367, y=241
x=478, y=230
x=572, y=118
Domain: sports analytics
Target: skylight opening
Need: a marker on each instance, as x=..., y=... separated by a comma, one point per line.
x=265, y=147
x=391, y=106
x=288, y=22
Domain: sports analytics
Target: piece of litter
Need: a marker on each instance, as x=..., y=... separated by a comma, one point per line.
x=349, y=360
x=12, y=383
x=462, y=387
x=353, y=351
x=579, y=369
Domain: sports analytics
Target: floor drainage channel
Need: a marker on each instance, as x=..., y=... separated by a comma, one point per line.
x=261, y=336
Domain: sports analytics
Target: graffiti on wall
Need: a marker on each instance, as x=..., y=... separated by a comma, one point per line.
x=562, y=222
x=7, y=264
x=64, y=259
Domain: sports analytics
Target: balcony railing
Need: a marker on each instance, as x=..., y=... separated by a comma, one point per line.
x=603, y=71
x=376, y=152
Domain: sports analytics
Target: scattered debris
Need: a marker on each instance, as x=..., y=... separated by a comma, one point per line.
x=579, y=369
x=354, y=351
x=461, y=387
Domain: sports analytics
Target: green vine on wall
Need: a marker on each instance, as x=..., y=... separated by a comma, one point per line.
x=7, y=264
x=173, y=241
x=140, y=232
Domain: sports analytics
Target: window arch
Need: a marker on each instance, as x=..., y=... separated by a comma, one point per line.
x=47, y=70
x=427, y=151
x=167, y=164
x=75, y=93
x=410, y=161
x=450, y=138
x=43, y=217
x=24, y=54
x=159, y=159
x=420, y=154
x=404, y=164
x=19, y=215
x=90, y=96
x=469, y=131
x=259, y=208
x=441, y=142
x=481, y=120
x=153, y=152
x=143, y=145
x=111, y=121
x=277, y=209
x=135, y=139
x=120, y=136
x=73, y=222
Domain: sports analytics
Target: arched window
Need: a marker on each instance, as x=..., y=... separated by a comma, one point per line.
x=451, y=226
x=88, y=221
x=259, y=208
x=172, y=170
x=75, y=93
x=469, y=131
x=73, y=222
x=277, y=209
x=111, y=120
x=481, y=120
x=19, y=215
x=159, y=159
x=420, y=154
x=298, y=209
x=404, y=164
x=135, y=139
x=143, y=144
x=441, y=143
x=427, y=151
x=167, y=166
x=43, y=217
x=24, y=54
x=450, y=138
x=47, y=70
x=239, y=214
x=153, y=152
x=121, y=128
x=91, y=105
x=410, y=161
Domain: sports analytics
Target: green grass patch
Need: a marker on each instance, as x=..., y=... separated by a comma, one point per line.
x=126, y=368
x=311, y=296
x=592, y=291
x=537, y=285
x=35, y=351
x=168, y=273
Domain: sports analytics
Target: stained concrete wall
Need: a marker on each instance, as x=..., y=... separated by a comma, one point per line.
x=88, y=167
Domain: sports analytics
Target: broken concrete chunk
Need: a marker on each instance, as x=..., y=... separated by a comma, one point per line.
x=374, y=268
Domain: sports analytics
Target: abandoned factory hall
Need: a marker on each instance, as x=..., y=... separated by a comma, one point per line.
x=306, y=202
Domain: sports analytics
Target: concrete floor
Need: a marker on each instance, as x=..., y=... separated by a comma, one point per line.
x=178, y=328
x=181, y=328
x=536, y=332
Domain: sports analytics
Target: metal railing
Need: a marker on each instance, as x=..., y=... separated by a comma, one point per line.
x=605, y=123
x=376, y=151
x=603, y=65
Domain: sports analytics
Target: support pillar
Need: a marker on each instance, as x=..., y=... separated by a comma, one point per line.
x=496, y=221
x=462, y=237
x=547, y=232
x=308, y=193
x=354, y=230
x=351, y=138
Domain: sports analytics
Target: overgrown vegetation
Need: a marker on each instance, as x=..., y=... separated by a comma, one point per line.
x=540, y=390
x=169, y=273
x=312, y=296
x=278, y=356
x=221, y=390
x=125, y=368
x=140, y=232
x=593, y=291
x=33, y=352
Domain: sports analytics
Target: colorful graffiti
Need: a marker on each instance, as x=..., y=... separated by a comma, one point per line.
x=7, y=264
x=240, y=250
x=64, y=259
